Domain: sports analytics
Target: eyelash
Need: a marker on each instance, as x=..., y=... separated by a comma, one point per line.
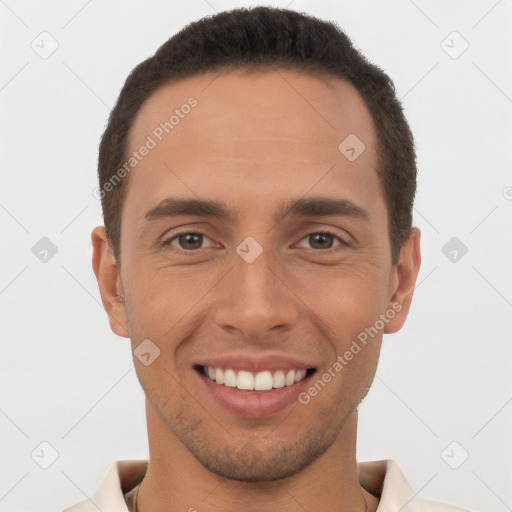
x=192, y=252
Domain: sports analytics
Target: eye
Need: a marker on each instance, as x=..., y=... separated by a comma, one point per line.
x=189, y=242
x=186, y=242
x=322, y=240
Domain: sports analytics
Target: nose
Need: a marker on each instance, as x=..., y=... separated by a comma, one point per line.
x=255, y=299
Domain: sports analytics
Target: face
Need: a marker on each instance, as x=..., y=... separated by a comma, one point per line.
x=254, y=252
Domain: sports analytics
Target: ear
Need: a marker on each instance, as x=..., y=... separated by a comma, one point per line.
x=109, y=281
x=403, y=281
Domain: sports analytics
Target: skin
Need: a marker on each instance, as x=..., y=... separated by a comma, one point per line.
x=254, y=143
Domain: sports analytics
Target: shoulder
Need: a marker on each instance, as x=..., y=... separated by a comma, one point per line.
x=423, y=505
x=384, y=479
x=120, y=478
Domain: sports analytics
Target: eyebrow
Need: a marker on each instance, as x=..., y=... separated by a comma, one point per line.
x=312, y=206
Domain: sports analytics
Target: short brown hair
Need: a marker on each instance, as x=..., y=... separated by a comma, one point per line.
x=259, y=37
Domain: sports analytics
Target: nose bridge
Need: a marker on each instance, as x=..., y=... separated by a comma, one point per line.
x=255, y=279
x=255, y=300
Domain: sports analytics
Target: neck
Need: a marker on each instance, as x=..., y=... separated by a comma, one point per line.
x=177, y=481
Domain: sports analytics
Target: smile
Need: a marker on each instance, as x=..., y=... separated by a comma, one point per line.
x=260, y=381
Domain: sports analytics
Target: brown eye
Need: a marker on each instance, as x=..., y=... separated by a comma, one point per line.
x=190, y=241
x=322, y=240
x=186, y=242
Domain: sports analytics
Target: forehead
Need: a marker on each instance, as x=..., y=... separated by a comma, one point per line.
x=256, y=103
x=258, y=133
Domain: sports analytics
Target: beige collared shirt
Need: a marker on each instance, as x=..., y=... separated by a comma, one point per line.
x=382, y=478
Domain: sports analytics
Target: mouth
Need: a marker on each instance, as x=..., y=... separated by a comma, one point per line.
x=254, y=394
x=265, y=380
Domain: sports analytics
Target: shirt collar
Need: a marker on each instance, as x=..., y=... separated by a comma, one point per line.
x=382, y=478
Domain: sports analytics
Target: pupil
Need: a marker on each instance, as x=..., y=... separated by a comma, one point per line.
x=322, y=236
x=189, y=240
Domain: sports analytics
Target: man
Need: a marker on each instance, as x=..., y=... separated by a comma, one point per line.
x=257, y=178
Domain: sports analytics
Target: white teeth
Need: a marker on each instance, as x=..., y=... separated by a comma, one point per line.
x=245, y=380
x=278, y=381
x=219, y=376
x=290, y=378
x=299, y=375
x=261, y=381
x=230, y=378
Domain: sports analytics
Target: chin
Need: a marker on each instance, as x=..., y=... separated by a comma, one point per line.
x=252, y=464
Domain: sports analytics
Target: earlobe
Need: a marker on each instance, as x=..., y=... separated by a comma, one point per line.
x=403, y=280
x=109, y=281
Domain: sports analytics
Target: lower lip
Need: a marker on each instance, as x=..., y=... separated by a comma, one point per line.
x=254, y=404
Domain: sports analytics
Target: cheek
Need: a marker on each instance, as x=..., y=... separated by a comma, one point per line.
x=339, y=388
x=347, y=298
x=162, y=298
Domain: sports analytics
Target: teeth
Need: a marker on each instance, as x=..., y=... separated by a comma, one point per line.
x=219, y=376
x=245, y=380
x=230, y=378
x=300, y=375
x=278, y=380
x=261, y=381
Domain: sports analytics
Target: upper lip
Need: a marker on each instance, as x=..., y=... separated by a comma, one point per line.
x=255, y=363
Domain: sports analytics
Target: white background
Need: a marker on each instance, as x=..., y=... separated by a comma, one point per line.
x=66, y=379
